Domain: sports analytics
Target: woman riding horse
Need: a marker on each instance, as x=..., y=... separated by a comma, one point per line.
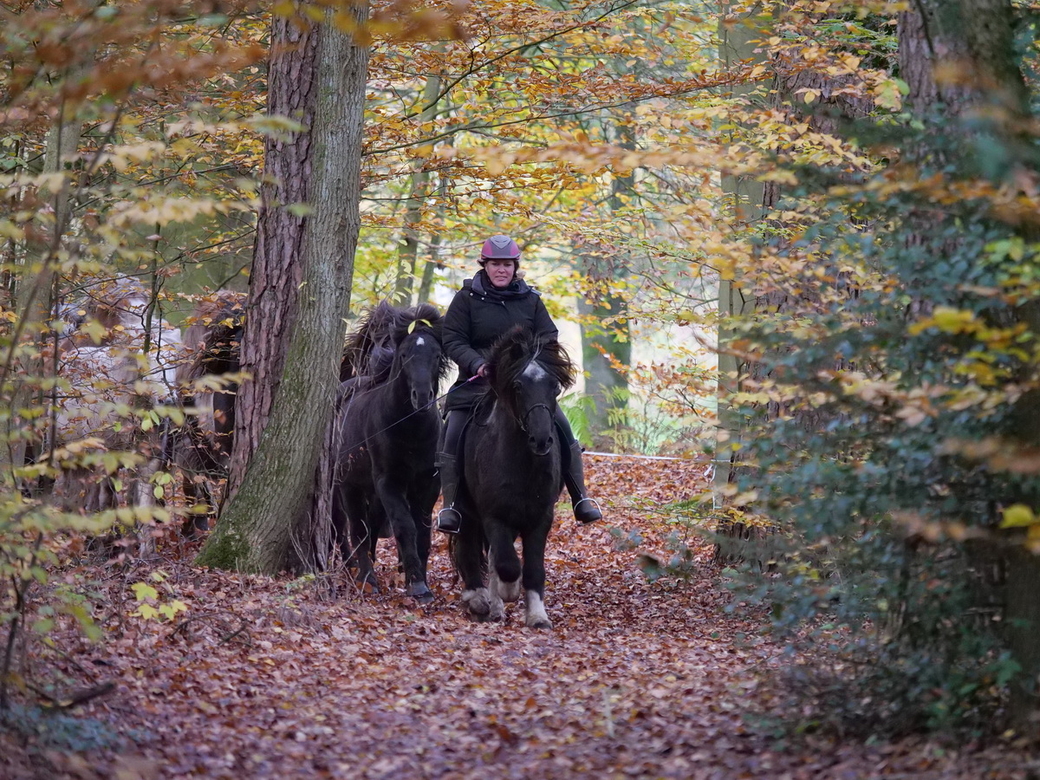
x=493, y=301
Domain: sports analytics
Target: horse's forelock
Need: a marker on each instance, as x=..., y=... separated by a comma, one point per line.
x=514, y=351
x=554, y=359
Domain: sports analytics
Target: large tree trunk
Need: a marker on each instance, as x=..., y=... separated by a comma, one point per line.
x=745, y=204
x=751, y=202
x=255, y=531
x=277, y=270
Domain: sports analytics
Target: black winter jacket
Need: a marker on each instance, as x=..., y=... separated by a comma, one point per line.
x=480, y=313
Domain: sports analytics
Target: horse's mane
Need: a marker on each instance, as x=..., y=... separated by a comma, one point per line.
x=115, y=304
x=516, y=348
x=371, y=346
x=213, y=336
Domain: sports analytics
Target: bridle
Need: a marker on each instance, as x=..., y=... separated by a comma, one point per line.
x=522, y=420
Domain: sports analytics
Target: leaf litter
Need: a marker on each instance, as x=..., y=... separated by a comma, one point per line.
x=276, y=678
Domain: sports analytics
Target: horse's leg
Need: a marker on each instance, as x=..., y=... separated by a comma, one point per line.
x=422, y=515
x=496, y=608
x=400, y=516
x=470, y=561
x=358, y=550
x=339, y=519
x=508, y=591
x=503, y=565
x=534, y=576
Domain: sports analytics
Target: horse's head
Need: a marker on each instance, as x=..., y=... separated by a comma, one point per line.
x=419, y=358
x=401, y=344
x=527, y=374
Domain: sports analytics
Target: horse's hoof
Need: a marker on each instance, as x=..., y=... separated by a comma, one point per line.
x=539, y=623
x=478, y=602
x=509, y=591
x=419, y=592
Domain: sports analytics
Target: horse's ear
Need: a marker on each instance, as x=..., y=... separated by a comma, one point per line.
x=518, y=351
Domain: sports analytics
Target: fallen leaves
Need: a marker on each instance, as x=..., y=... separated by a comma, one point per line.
x=266, y=677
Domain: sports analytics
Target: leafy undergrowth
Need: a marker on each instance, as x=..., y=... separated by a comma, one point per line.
x=282, y=678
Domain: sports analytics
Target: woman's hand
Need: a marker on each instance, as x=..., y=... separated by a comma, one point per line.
x=483, y=370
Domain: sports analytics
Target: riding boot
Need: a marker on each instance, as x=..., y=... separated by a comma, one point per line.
x=586, y=510
x=449, y=520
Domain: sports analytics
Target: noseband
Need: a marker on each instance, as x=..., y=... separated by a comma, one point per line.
x=522, y=421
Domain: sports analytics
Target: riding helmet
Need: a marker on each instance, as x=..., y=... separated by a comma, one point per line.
x=500, y=248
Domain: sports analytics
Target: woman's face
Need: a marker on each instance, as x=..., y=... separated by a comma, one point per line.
x=500, y=272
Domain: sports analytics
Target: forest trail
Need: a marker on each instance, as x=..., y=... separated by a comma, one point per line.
x=265, y=678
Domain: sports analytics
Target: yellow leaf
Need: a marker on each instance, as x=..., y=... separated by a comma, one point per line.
x=951, y=320
x=1018, y=516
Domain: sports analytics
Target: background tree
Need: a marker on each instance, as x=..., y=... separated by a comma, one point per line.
x=901, y=258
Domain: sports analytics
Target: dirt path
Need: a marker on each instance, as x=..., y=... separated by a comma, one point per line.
x=278, y=679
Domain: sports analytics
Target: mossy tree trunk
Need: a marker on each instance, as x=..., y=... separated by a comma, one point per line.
x=306, y=265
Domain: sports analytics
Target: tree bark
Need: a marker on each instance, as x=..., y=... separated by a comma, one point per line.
x=256, y=530
x=276, y=272
x=745, y=203
x=418, y=190
x=752, y=202
x=603, y=344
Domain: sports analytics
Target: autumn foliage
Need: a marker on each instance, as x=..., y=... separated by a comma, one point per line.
x=861, y=178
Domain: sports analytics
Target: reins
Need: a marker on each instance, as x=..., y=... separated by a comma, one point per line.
x=412, y=413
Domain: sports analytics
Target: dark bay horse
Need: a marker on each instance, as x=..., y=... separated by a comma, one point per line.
x=388, y=429
x=512, y=478
x=207, y=385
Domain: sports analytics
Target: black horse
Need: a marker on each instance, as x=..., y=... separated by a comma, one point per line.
x=512, y=477
x=388, y=429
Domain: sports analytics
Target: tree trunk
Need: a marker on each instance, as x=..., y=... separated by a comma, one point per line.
x=745, y=203
x=256, y=530
x=418, y=189
x=36, y=289
x=605, y=334
x=752, y=202
x=277, y=270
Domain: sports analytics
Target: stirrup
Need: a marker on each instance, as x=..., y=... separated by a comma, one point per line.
x=449, y=520
x=587, y=510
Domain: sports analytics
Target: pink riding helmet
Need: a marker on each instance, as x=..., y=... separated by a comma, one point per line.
x=500, y=248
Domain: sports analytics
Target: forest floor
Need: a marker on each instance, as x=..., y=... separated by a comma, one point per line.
x=280, y=678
